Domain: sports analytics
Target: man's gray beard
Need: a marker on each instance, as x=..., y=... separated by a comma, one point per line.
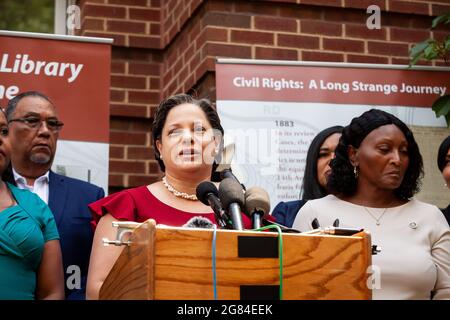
x=40, y=158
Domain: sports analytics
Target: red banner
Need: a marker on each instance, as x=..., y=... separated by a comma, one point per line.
x=73, y=73
x=349, y=85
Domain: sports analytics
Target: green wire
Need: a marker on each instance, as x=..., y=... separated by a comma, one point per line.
x=280, y=252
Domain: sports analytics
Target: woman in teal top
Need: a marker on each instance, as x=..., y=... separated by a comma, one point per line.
x=30, y=255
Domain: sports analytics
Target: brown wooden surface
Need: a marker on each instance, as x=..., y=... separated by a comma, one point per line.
x=314, y=267
x=132, y=275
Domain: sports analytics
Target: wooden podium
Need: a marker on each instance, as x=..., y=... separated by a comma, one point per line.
x=176, y=263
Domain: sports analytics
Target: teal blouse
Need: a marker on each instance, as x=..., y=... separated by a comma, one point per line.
x=24, y=229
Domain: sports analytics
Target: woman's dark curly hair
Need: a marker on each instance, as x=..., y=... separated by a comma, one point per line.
x=342, y=180
x=442, y=154
x=176, y=100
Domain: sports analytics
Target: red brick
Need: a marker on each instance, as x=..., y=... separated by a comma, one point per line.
x=438, y=9
x=421, y=22
x=155, y=28
x=125, y=26
x=294, y=41
x=215, y=34
x=408, y=35
x=388, y=48
x=117, y=95
x=321, y=27
x=145, y=14
x=143, y=180
x=154, y=83
x=142, y=125
x=128, y=82
x=275, y=24
x=406, y=62
x=228, y=50
x=93, y=24
x=145, y=42
x=128, y=110
x=153, y=167
x=129, y=2
x=440, y=35
x=131, y=138
x=322, y=56
x=226, y=20
x=104, y=11
x=332, y=3
x=126, y=166
x=343, y=45
x=364, y=4
x=140, y=153
x=304, y=12
x=225, y=5
x=256, y=8
x=117, y=67
x=361, y=31
x=396, y=19
x=408, y=7
x=143, y=97
x=119, y=124
x=275, y=54
x=115, y=180
x=207, y=65
x=195, y=60
x=116, y=152
x=345, y=15
x=366, y=59
x=252, y=37
x=143, y=68
x=155, y=3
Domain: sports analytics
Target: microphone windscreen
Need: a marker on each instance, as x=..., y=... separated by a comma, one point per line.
x=257, y=199
x=204, y=189
x=230, y=191
x=199, y=222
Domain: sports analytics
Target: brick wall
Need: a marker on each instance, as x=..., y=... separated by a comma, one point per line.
x=162, y=47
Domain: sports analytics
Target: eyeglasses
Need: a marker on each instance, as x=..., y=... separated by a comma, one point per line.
x=35, y=123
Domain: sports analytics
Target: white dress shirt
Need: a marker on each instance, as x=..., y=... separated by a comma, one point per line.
x=414, y=239
x=40, y=186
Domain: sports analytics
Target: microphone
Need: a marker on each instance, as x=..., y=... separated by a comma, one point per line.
x=199, y=222
x=224, y=167
x=208, y=194
x=257, y=205
x=231, y=195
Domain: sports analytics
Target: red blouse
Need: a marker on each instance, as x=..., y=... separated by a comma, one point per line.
x=139, y=204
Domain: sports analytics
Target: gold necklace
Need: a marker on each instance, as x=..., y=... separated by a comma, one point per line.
x=373, y=216
x=177, y=193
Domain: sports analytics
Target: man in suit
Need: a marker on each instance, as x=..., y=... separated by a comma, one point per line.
x=34, y=127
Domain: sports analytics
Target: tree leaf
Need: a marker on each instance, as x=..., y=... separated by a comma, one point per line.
x=417, y=51
x=441, y=106
x=440, y=19
x=431, y=52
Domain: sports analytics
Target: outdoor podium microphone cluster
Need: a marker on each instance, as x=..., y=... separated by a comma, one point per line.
x=257, y=205
x=230, y=201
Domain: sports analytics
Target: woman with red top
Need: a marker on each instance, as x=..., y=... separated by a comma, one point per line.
x=187, y=137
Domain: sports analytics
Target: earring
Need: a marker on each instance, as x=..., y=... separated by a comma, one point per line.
x=355, y=172
x=160, y=157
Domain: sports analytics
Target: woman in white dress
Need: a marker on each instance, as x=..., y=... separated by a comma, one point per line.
x=375, y=173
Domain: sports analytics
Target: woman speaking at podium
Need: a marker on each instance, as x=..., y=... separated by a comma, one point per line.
x=187, y=137
x=375, y=173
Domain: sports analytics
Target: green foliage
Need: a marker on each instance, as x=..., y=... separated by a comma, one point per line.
x=432, y=49
x=27, y=15
x=441, y=107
